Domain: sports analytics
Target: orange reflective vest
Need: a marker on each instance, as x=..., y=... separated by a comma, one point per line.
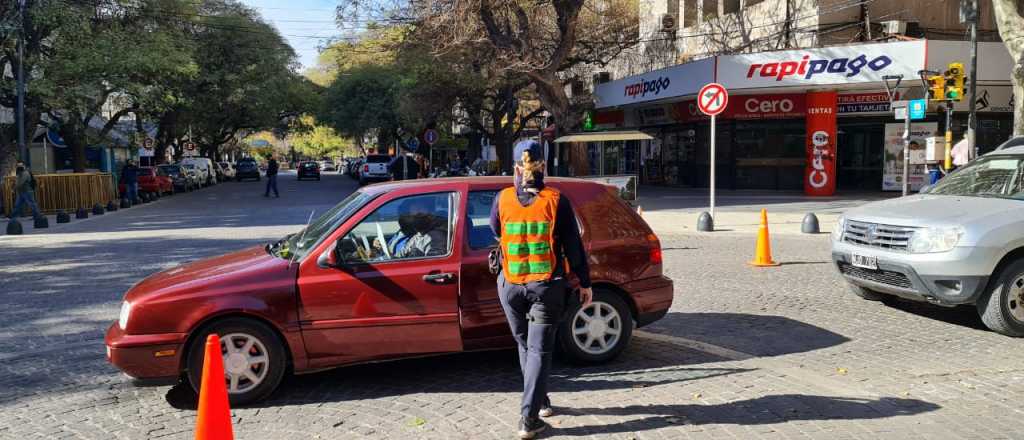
x=528, y=235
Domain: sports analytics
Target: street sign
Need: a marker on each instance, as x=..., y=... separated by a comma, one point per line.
x=712, y=99
x=412, y=144
x=917, y=108
x=431, y=136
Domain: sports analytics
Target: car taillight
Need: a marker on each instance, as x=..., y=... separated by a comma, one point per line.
x=655, y=248
x=366, y=168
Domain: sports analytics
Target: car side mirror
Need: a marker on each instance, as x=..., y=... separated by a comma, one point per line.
x=330, y=258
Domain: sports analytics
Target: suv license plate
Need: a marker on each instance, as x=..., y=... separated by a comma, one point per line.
x=866, y=262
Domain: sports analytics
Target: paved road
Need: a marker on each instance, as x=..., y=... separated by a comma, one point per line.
x=744, y=353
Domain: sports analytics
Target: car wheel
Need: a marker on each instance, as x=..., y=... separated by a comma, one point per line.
x=254, y=359
x=867, y=294
x=1002, y=307
x=598, y=332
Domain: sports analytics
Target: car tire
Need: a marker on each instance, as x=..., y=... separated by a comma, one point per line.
x=573, y=345
x=867, y=294
x=1001, y=307
x=267, y=344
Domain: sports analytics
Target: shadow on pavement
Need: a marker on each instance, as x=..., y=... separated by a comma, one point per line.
x=762, y=410
x=757, y=335
x=964, y=316
x=479, y=372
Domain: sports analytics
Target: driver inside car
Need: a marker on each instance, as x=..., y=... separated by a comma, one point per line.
x=428, y=238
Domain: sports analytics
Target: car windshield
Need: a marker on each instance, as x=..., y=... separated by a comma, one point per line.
x=989, y=176
x=297, y=245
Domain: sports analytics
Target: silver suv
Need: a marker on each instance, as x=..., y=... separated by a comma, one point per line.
x=958, y=242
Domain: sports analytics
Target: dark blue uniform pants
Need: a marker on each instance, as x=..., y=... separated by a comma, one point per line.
x=271, y=184
x=533, y=311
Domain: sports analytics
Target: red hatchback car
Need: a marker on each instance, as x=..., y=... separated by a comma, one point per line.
x=152, y=180
x=348, y=289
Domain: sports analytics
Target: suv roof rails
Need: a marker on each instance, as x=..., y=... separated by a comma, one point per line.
x=1015, y=141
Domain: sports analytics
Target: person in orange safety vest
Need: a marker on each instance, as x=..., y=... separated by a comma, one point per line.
x=539, y=238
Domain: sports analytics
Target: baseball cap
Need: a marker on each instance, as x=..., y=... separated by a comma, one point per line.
x=529, y=146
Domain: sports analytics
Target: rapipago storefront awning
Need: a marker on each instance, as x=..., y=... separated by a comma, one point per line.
x=623, y=135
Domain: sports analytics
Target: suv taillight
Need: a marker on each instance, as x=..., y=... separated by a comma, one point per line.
x=366, y=168
x=655, y=248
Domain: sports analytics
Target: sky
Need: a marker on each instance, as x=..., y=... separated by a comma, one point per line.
x=306, y=24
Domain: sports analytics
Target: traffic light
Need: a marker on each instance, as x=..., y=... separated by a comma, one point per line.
x=937, y=88
x=955, y=82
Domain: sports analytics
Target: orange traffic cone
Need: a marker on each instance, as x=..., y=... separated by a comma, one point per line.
x=214, y=419
x=763, y=253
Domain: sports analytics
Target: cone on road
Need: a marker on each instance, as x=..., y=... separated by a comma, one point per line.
x=213, y=421
x=763, y=252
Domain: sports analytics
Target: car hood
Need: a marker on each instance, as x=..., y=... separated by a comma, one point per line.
x=250, y=266
x=935, y=210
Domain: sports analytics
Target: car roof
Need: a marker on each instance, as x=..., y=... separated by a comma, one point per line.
x=1014, y=145
x=477, y=182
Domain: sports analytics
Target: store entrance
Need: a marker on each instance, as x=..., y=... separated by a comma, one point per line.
x=859, y=147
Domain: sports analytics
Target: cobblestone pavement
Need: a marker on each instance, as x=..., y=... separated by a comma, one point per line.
x=775, y=353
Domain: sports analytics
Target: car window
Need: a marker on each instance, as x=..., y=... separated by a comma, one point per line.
x=989, y=176
x=378, y=159
x=478, y=219
x=411, y=227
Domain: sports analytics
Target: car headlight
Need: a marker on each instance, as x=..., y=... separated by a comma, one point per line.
x=837, y=230
x=930, y=240
x=122, y=320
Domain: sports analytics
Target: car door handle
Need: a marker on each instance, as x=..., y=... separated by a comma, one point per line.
x=439, y=278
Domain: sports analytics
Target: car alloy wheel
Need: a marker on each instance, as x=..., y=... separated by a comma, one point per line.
x=596, y=328
x=1001, y=308
x=1014, y=298
x=245, y=362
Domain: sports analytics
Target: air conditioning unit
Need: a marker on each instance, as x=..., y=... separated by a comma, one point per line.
x=894, y=27
x=669, y=23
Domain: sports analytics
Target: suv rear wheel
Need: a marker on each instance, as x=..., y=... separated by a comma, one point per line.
x=1002, y=307
x=598, y=332
x=254, y=359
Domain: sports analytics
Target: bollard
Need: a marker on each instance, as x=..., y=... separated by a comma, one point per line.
x=81, y=213
x=97, y=209
x=14, y=227
x=810, y=224
x=41, y=222
x=63, y=217
x=111, y=206
x=705, y=223
x=125, y=204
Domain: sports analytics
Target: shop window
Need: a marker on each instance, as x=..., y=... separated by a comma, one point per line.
x=612, y=156
x=709, y=10
x=630, y=156
x=594, y=158
x=689, y=13
x=730, y=6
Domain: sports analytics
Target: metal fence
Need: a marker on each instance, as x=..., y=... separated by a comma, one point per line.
x=64, y=191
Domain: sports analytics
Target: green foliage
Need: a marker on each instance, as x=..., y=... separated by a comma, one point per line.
x=363, y=100
x=317, y=141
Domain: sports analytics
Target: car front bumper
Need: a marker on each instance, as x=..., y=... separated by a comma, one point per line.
x=145, y=356
x=959, y=276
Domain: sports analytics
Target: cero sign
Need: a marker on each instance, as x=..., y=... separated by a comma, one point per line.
x=768, y=106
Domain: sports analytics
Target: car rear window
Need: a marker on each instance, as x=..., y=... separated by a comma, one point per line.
x=378, y=158
x=309, y=165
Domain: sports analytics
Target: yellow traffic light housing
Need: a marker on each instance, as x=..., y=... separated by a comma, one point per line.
x=955, y=82
x=937, y=88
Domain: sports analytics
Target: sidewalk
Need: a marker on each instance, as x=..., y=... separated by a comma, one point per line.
x=675, y=210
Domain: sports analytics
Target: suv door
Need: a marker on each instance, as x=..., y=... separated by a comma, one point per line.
x=397, y=292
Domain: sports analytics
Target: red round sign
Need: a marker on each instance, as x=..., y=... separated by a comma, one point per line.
x=190, y=146
x=712, y=99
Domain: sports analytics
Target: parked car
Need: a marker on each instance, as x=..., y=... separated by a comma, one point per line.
x=354, y=166
x=308, y=170
x=227, y=171
x=375, y=169
x=328, y=165
x=152, y=180
x=194, y=175
x=179, y=177
x=205, y=168
x=333, y=294
x=247, y=169
x=958, y=242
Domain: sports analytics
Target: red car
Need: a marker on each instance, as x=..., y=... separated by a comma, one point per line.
x=350, y=288
x=152, y=180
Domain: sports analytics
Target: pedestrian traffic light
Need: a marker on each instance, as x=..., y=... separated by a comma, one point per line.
x=955, y=82
x=937, y=88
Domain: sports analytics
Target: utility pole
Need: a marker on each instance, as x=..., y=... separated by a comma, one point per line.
x=969, y=11
x=20, y=119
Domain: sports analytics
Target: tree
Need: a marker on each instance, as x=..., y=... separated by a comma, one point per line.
x=363, y=102
x=1011, y=30
x=316, y=140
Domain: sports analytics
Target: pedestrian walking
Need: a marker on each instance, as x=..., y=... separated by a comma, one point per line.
x=537, y=229
x=272, y=167
x=130, y=178
x=25, y=190
x=960, y=153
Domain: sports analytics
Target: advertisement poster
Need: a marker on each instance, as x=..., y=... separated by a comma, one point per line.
x=892, y=171
x=820, y=172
